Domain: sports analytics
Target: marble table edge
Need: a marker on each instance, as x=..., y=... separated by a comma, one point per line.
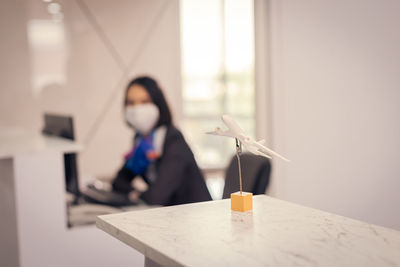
x=270, y=198
x=135, y=243
x=102, y=223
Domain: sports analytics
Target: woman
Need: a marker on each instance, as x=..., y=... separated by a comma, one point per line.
x=160, y=154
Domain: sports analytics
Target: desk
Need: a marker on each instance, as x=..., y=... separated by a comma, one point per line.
x=275, y=233
x=33, y=224
x=32, y=194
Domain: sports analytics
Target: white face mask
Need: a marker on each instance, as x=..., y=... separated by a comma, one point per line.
x=142, y=117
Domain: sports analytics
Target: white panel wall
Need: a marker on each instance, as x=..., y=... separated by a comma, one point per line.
x=106, y=44
x=336, y=105
x=17, y=103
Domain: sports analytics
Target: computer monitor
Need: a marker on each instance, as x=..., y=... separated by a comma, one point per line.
x=62, y=126
x=59, y=125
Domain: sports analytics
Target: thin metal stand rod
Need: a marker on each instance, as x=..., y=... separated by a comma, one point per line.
x=238, y=151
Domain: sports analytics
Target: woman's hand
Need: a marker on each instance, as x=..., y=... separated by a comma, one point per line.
x=134, y=196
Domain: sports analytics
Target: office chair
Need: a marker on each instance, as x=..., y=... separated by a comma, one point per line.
x=255, y=172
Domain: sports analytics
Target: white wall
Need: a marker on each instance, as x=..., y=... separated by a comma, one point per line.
x=336, y=105
x=142, y=37
x=17, y=103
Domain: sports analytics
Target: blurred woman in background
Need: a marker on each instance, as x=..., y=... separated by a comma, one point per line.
x=160, y=154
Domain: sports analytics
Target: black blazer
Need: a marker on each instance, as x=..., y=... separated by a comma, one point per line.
x=179, y=179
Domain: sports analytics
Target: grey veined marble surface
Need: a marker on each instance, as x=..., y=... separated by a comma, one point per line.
x=275, y=233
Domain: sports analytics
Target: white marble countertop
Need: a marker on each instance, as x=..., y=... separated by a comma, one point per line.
x=275, y=233
x=14, y=141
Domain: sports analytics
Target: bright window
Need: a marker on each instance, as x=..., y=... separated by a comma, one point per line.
x=217, y=40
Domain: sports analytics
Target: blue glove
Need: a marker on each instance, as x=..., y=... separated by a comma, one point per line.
x=139, y=162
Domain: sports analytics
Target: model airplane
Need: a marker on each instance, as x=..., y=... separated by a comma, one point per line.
x=235, y=131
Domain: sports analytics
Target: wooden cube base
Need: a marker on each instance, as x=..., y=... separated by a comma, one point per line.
x=242, y=202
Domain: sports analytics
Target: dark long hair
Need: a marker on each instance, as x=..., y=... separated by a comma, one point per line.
x=156, y=95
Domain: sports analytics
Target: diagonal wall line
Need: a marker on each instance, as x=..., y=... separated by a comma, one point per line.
x=119, y=85
x=103, y=37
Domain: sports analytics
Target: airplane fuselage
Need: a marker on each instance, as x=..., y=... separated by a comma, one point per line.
x=235, y=131
x=232, y=125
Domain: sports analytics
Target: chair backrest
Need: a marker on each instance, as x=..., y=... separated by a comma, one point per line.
x=255, y=174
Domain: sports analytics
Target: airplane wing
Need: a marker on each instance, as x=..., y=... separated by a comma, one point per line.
x=266, y=150
x=233, y=131
x=262, y=141
x=221, y=132
x=259, y=152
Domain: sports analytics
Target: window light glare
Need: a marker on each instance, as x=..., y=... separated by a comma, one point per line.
x=54, y=8
x=58, y=17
